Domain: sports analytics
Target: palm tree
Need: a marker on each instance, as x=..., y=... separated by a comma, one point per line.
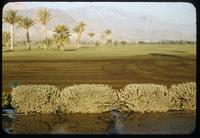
x=43, y=17
x=109, y=42
x=26, y=23
x=91, y=34
x=6, y=39
x=103, y=36
x=79, y=30
x=61, y=35
x=108, y=34
x=12, y=18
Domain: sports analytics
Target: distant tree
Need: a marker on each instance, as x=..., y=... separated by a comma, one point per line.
x=108, y=32
x=6, y=39
x=26, y=23
x=97, y=43
x=11, y=17
x=103, y=37
x=61, y=35
x=123, y=43
x=79, y=30
x=43, y=17
x=109, y=42
x=141, y=42
x=47, y=41
x=91, y=34
x=115, y=43
x=108, y=35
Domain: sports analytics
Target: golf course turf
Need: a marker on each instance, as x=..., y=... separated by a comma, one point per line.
x=115, y=65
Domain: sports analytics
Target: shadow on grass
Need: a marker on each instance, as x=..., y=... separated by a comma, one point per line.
x=70, y=50
x=21, y=50
x=84, y=47
x=178, y=51
x=164, y=55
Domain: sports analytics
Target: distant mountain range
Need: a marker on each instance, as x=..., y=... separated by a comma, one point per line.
x=124, y=25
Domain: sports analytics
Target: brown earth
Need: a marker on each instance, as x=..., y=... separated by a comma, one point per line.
x=153, y=68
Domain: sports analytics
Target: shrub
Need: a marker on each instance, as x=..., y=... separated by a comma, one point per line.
x=97, y=43
x=123, y=43
x=144, y=98
x=35, y=98
x=87, y=98
x=99, y=98
x=141, y=42
x=6, y=98
x=183, y=96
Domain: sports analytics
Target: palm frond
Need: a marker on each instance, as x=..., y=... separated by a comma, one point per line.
x=107, y=31
x=26, y=22
x=61, y=34
x=43, y=16
x=91, y=34
x=80, y=27
x=11, y=17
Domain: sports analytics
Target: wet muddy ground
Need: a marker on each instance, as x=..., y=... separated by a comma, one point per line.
x=106, y=123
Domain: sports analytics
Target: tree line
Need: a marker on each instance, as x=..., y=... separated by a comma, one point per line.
x=61, y=32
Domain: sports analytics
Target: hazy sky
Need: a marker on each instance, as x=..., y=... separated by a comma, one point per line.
x=170, y=12
x=176, y=12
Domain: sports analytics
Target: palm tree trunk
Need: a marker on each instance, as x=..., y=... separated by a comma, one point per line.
x=7, y=45
x=58, y=47
x=45, y=37
x=12, y=37
x=62, y=48
x=92, y=42
x=28, y=40
x=69, y=42
x=78, y=40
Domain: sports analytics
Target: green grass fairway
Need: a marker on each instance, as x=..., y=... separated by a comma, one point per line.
x=116, y=65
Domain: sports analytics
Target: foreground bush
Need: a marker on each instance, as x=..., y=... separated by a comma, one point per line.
x=144, y=98
x=35, y=98
x=183, y=96
x=6, y=98
x=99, y=98
x=87, y=98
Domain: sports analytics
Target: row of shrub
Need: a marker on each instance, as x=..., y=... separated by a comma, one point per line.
x=98, y=98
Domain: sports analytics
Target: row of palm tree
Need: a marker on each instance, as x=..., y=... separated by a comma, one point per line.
x=43, y=16
x=12, y=18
